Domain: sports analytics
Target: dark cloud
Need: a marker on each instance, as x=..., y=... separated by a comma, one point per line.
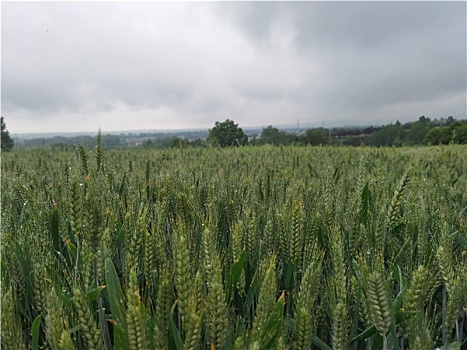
x=161, y=64
x=373, y=52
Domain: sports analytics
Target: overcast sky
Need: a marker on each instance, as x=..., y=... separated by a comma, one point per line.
x=78, y=66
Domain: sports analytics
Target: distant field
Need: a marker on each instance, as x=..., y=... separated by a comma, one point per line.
x=239, y=248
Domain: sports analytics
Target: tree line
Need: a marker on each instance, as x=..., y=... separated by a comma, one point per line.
x=424, y=131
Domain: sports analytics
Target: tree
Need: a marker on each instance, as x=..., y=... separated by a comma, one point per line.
x=177, y=142
x=387, y=136
x=443, y=135
x=459, y=135
x=314, y=137
x=7, y=141
x=423, y=120
x=433, y=136
x=227, y=134
x=450, y=120
x=270, y=135
x=417, y=131
x=274, y=136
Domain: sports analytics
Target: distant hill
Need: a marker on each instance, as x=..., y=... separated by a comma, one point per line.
x=292, y=126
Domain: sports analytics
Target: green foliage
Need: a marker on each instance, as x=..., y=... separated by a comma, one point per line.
x=417, y=131
x=456, y=133
x=423, y=131
x=7, y=141
x=238, y=248
x=314, y=137
x=437, y=136
x=274, y=136
x=387, y=135
x=227, y=134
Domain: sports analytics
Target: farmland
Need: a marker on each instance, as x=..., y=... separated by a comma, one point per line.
x=237, y=248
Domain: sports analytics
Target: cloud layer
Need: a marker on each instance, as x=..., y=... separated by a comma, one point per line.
x=159, y=65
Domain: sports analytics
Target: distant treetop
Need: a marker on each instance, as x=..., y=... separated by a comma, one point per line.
x=7, y=141
x=227, y=134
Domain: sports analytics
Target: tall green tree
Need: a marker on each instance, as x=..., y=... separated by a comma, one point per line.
x=314, y=137
x=7, y=141
x=227, y=134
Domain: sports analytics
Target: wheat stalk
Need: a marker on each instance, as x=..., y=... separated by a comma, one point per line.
x=86, y=320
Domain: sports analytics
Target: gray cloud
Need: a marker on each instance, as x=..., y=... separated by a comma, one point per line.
x=140, y=65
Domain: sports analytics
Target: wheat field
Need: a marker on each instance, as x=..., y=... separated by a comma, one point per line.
x=239, y=248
